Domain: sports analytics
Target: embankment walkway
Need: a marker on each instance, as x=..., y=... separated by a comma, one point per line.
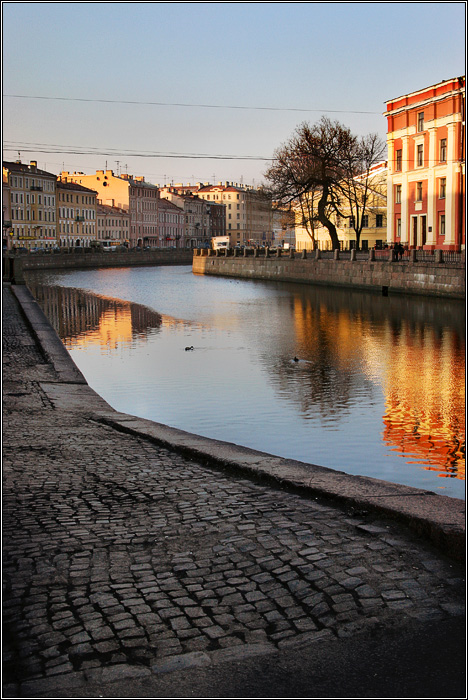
x=140, y=561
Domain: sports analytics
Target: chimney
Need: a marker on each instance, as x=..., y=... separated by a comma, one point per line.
x=33, y=165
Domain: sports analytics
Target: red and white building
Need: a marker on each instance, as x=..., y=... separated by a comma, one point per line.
x=426, y=167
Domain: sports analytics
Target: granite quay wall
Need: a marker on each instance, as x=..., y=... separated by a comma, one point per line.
x=15, y=265
x=385, y=276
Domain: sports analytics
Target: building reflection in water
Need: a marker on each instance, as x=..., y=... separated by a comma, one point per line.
x=350, y=341
x=425, y=400
x=83, y=318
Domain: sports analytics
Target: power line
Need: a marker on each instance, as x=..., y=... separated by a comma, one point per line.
x=31, y=147
x=94, y=151
x=185, y=104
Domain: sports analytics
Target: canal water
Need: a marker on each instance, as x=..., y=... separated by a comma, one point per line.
x=353, y=381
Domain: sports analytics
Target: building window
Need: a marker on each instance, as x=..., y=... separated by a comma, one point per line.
x=351, y=222
x=365, y=221
x=442, y=225
x=379, y=220
x=442, y=189
x=420, y=121
x=443, y=150
x=419, y=191
x=398, y=160
x=420, y=155
x=398, y=194
x=398, y=228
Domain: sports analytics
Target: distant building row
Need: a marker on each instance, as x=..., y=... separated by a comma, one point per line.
x=41, y=210
x=419, y=196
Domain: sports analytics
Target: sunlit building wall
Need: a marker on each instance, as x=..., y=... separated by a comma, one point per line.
x=132, y=194
x=32, y=205
x=112, y=224
x=426, y=176
x=7, y=229
x=374, y=230
x=76, y=215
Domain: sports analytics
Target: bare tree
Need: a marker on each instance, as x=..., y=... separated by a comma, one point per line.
x=361, y=188
x=312, y=172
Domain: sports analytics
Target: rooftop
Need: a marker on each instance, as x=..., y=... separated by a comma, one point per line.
x=18, y=166
x=64, y=185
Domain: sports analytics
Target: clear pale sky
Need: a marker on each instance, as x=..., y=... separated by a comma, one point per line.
x=295, y=61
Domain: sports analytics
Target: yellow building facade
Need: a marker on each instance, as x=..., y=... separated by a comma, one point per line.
x=132, y=194
x=374, y=230
x=32, y=205
x=76, y=215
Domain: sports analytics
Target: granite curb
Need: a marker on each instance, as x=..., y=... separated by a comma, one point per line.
x=439, y=519
x=102, y=677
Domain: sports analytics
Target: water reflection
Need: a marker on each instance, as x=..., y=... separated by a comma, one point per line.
x=378, y=388
x=83, y=318
x=349, y=342
x=425, y=400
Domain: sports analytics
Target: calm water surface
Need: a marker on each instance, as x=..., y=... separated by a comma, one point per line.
x=378, y=388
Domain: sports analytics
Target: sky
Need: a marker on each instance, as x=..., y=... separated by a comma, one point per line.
x=206, y=91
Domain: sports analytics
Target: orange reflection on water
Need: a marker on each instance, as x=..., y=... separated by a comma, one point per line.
x=421, y=370
x=114, y=327
x=425, y=400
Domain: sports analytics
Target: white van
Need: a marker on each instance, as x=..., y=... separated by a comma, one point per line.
x=109, y=245
x=220, y=242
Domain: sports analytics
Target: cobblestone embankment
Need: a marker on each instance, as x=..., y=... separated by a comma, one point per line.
x=125, y=558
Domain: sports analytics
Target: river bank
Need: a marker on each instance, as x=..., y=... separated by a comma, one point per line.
x=16, y=265
x=381, y=276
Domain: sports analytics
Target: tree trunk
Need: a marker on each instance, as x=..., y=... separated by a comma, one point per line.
x=329, y=225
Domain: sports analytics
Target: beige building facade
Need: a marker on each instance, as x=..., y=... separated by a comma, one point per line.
x=76, y=215
x=32, y=205
x=113, y=225
x=132, y=194
x=7, y=229
x=197, y=229
x=171, y=224
x=249, y=215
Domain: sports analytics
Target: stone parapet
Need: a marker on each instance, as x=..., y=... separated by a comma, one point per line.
x=15, y=265
x=383, y=276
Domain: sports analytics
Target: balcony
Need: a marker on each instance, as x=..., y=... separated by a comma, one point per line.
x=79, y=218
x=36, y=188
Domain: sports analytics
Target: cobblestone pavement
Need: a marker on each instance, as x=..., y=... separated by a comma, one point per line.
x=123, y=558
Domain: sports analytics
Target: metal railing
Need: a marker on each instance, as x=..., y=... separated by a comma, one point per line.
x=385, y=255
